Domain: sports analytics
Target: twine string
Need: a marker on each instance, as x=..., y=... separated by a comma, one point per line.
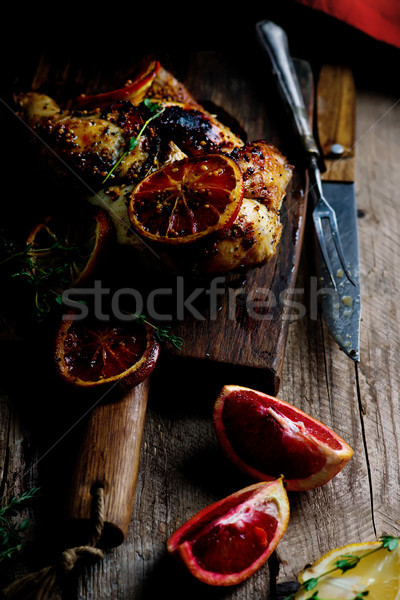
x=37, y=585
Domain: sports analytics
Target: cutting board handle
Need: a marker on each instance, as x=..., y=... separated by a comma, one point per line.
x=109, y=458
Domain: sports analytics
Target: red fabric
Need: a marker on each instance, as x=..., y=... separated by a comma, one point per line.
x=378, y=18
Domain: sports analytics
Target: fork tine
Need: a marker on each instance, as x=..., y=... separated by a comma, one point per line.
x=321, y=240
x=336, y=239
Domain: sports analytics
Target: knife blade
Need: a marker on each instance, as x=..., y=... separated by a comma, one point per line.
x=335, y=123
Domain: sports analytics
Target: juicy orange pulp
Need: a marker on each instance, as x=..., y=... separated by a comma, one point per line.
x=267, y=437
x=90, y=353
x=229, y=540
x=103, y=353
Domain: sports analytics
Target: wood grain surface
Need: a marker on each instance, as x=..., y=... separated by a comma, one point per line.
x=182, y=468
x=109, y=457
x=335, y=114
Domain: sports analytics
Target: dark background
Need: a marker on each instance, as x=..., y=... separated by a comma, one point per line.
x=93, y=33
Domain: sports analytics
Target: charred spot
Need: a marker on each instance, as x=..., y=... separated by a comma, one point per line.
x=248, y=241
x=190, y=129
x=257, y=150
x=248, y=173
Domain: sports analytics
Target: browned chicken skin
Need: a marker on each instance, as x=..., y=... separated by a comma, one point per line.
x=266, y=172
x=94, y=142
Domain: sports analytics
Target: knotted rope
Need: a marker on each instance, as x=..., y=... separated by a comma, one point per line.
x=37, y=586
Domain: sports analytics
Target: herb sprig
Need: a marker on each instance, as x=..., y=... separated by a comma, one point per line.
x=345, y=563
x=162, y=332
x=155, y=111
x=11, y=531
x=46, y=281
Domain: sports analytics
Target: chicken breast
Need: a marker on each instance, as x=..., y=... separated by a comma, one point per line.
x=252, y=240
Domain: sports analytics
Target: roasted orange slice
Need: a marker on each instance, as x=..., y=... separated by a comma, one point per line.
x=187, y=200
x=92, y=353
x=133, y=91
x=69, y=249
x=226, y=542
x=266, y=437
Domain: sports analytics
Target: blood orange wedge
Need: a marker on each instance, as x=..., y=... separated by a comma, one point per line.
x=266, y=437
x=91, y=353
x=187, y=200
x=70, y=247
x=133, y=91
x=228, y=541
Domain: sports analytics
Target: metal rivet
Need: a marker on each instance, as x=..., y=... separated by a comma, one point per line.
x=337, y=149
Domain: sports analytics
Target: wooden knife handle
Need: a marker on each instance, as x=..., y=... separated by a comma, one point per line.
x=109, y=457
x=336, y=110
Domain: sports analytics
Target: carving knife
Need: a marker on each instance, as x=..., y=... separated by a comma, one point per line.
x=335, y=122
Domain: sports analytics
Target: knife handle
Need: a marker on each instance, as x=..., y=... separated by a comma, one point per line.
x=109, y=458
x=274, y=41
x=336, y=110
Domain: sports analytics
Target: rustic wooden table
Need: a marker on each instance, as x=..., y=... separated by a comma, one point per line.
x=182, y=469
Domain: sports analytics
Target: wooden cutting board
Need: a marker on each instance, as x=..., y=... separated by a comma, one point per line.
x=237, y=336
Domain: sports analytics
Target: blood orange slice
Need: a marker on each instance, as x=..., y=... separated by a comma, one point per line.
x=91, y=353
x=133, y=91
x=187, y=200
x=228, y=541
x=70, y=246
x=266, y=437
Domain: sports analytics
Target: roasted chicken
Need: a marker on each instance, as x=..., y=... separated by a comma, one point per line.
x=92, y=137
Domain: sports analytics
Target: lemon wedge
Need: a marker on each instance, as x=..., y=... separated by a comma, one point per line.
x=375, y=577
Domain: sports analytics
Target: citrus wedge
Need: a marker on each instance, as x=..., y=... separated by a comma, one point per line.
x=266, y=437
x=91, y=353
x=187, y=200
x=226, y=542
x=376, y=576
x=71, y=248
x=133, y=91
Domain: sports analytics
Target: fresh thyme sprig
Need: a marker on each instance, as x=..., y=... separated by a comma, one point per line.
x=155, y=111
x=345, y=563
x=162, y=333
x=47, y=281
x=10, y=530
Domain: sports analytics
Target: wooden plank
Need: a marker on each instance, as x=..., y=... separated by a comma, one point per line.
x=325, y=387
x=359, y=402
x=378, y=129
